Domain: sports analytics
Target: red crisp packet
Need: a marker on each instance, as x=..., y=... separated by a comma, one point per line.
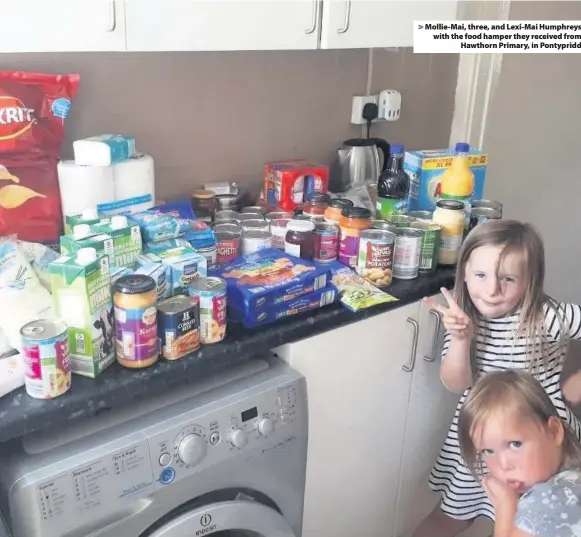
x=33, y=110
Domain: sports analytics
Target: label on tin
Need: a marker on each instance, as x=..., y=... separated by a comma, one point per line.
x=375, y=261
x=348, y=250
x=428, y=250
x=179, y=332
x=386, y=207
x=212, y=316
x=227, y=250
x=406, y=257
x=47, y=369
x=292, y=249
x=251, y=245
x=326, y=246
x=136, y=334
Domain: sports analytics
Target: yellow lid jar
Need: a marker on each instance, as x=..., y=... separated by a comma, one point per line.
x=450, y=216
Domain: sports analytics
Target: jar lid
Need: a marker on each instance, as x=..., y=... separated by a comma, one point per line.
x=356, y=212
x=341, y=203
x=303, y=226
x=135, y=284
x=319, y=198
x=452, y=205
x=203, y=194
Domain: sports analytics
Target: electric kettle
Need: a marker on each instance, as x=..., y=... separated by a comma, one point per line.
x=358, y=163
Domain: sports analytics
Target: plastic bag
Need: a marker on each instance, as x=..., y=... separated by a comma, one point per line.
x=11, y=374
x=39, y=256
x=359, y=196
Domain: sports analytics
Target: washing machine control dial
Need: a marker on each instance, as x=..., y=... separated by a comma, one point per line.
x=265, y=426
x=192, y=449
x=238, y=438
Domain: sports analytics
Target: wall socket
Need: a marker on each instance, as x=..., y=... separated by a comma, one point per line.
x=359, y=101
x=388, y=103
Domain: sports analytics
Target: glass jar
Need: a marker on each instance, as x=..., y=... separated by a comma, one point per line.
x=353, y=221
x=299, y=239
x=335, y=208
x=278, y=232
x=204, y=204
x=450, y=216
x=316, y=205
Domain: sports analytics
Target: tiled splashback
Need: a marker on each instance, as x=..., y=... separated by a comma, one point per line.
x=217, y=116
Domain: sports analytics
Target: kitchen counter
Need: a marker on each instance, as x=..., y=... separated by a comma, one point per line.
x=118, y=387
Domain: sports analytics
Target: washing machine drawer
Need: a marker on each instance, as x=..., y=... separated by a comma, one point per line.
x=241, y=518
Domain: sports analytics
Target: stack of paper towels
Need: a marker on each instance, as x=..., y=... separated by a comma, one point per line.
x=107, y=173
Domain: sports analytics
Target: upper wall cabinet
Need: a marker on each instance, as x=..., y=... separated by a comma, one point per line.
x=62, y=25
x=222, y=24
x=378, y=23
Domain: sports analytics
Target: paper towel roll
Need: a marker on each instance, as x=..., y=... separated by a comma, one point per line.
x=84, y=187
x=134, y=180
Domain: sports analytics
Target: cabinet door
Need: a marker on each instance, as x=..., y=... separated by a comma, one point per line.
x=378, y=23
x=358, y=394
x=429, y=415
x=62, y=25
x=221, y=24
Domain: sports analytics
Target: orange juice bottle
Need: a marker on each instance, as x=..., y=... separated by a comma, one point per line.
x=457, y=182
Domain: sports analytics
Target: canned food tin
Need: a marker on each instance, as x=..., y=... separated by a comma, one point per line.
x=255, y=240
x=483, y=214
x=430, y=244
x=226, y=216
x=420, y=215
x=211, y=255
x=278, y=215
x=178, y=319
x=253, y=209
x=227, y=226
x=211, y=292
x=228, y=244
x=278, y=232
x=406, y=254
x=227, y=201
x=488, y=204
x=326, y=242
x=252, y=225
x=400, y=220
x=249, y=216
x=45, y=351
x=384, y=226
x=375, y=258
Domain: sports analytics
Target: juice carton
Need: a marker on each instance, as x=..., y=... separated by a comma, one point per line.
x=81, y=290
x=127, y=244
x=88, y=216
x=425, y=168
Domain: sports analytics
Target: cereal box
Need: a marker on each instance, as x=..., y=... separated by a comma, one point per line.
x=269, y=277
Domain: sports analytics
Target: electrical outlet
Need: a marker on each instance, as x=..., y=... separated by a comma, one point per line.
x=359, y=101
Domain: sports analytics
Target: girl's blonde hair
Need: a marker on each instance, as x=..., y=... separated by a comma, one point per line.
x=512, y=391
x=514, y=236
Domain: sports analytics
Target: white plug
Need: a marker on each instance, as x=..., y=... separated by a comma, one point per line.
x=359, y=101
x=389, y=105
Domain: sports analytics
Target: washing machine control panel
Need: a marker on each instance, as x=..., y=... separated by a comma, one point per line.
x=200, y=441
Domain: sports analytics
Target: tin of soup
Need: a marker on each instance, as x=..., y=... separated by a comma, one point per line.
x=278, y=232
x=255, y=240
x=178, y=320
x=249, y=216
x=211, y=293
x=253, y=209
x=375, y=258
x=430, y=244
x=45, y=351
x=479, y=215
x=488, y=204
x=384, y=226
x=326, y=242
x=253, y=225
x=406, y=255
x=226, y=215
x=228, y=244
x=228, y=226
x=420, y=215
x=400, y=220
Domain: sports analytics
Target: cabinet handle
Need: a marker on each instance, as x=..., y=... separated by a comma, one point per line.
x=347, y=18
x=112, y=16
x=409, y=367
x=436, y=336
x=313, y=26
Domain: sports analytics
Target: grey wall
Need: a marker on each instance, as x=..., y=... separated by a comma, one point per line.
x=219, y=116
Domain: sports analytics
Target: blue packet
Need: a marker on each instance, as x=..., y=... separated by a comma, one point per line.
x=157, y=227
x=155, y=247
x=177, y=209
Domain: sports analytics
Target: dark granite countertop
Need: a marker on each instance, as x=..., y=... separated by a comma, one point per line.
x=117, y=387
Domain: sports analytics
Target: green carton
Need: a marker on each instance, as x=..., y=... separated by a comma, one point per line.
x=81, y=290
x=127, y=243
x=102, y=243
x=89, y=216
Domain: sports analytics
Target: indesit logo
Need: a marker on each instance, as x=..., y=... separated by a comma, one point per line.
x=206, y=523
x=15, y=118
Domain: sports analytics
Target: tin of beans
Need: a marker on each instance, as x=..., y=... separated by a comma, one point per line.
x=255, y=240
x=178, y=320
x=249, y=216
x=421, y=215
x=488, y=204
x=254, y=225
x=278, y=232
x=384, y=225
x=211, y=293
x=253, y=209
x=406, y=255
x=326, y=242
x=400, y=220
x=211, y=255
x=430, y=244
x=375, y=258
x=226, y=216
x=479, y=215
x=278, y=215
x=228, y=245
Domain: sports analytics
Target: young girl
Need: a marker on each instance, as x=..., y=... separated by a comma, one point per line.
x=499, y=318
x=509, y=426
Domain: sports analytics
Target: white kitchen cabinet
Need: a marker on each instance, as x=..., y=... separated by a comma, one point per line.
x=62, y=25
x=358, y=396
x=378, y=23
x=429, y=414
x=167, y=25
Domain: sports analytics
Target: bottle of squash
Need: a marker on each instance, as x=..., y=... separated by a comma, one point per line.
x=457, y=182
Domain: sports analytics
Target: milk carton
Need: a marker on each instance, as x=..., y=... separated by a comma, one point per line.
x=127, y=244
x=83, y=237
x=425, y=168
x=88, y=216
x=81, y=290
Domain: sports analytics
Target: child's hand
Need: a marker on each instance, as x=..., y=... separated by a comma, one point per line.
x=572, y=388
x=455, y=320
x=502, y=497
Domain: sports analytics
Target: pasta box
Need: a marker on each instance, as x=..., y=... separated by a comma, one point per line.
x=270, y=277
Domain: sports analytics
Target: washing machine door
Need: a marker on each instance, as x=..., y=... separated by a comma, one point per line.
x=232, y=519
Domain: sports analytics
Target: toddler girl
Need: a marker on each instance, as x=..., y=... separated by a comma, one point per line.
x=499, y=318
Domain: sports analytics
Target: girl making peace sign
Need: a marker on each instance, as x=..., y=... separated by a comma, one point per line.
x=498, y=318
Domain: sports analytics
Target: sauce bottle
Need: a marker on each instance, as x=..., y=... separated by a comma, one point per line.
x=457, y=182
x=393, y=186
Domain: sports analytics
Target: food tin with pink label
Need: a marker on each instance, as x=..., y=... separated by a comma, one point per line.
x=211, y=292
x=45, y=351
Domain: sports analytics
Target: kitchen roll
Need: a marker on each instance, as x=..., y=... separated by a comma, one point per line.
x=134, y=184
x=83, y=187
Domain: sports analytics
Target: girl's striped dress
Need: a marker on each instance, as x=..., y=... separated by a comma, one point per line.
x=498, y=348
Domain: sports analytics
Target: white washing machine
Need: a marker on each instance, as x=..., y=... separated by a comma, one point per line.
x=224, y=457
